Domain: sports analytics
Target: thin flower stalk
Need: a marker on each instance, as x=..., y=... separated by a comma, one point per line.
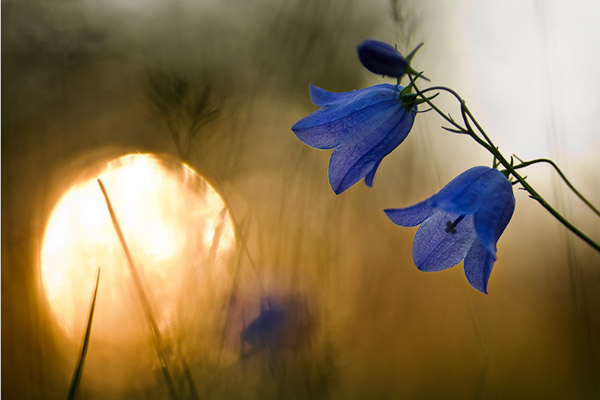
x=524, y=164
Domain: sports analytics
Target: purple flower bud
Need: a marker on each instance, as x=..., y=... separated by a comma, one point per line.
x=382, y=59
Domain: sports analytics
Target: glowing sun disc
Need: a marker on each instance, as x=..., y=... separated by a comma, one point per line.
x=178, y=231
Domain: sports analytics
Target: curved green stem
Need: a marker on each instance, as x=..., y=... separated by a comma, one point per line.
x=489, y=145
x=464, y=112
x=440, y=112
x=563, y=177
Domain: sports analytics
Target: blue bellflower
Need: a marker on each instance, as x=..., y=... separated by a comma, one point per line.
x=363, y=126
x=267, y=330
x=382, y=59
x=464, y=220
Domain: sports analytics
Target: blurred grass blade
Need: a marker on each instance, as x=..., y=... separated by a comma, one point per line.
x=84, y=345
x=145, y=300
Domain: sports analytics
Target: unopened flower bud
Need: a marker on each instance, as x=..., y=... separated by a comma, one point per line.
x=382, y=59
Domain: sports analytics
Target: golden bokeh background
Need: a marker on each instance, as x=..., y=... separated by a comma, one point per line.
x=217, y=85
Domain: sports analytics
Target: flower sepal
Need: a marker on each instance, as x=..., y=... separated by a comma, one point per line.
x=411, y=100
x=409, y=69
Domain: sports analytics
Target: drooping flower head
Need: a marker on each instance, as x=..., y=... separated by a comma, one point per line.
x=382, y=58
x=464, y=220
x=363, y=126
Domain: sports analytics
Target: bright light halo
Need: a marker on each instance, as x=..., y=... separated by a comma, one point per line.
x=175, y=224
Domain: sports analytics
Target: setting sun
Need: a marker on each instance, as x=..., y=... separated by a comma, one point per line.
x=176, y=227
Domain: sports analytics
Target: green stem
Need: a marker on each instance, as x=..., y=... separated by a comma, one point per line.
x=487, y=143
x=563, y=177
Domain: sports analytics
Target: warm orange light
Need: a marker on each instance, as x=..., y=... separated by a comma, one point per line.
x=178, y=231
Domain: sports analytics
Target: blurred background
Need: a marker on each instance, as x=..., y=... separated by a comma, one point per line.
x=320, y=298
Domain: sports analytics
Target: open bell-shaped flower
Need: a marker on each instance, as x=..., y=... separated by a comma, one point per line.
x=464, y=220
x=363, y=126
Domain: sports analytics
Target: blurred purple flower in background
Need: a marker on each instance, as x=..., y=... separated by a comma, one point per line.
x=363, y=126
x=284, y=326
x=464, y=220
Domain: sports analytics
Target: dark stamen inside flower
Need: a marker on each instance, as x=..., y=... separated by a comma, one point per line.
x=451, y=226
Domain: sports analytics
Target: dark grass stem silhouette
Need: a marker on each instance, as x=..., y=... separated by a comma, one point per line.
x=84, y=345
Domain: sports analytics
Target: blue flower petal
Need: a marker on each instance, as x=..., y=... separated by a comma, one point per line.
x=321, y=97
x=410, y=216
x=462, y=195
x=371, y=175
x=478, y=266
x=434, y=249
x=346, y=116
x=495, y=212
x=352, y=161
